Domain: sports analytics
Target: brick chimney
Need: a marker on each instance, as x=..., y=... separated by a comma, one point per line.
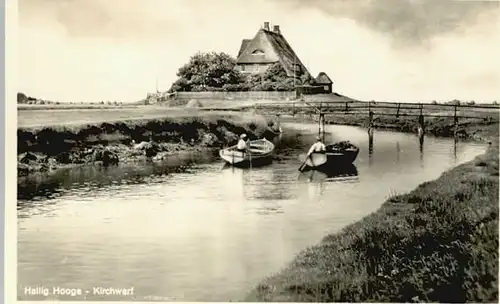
x=266, y=26
x=276, y=29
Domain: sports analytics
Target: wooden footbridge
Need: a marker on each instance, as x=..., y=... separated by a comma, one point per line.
x=335, y=109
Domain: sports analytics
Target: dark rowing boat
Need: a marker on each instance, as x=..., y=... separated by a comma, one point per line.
x=336, y=155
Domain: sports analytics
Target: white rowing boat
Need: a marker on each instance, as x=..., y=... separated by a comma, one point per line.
x=260, y=153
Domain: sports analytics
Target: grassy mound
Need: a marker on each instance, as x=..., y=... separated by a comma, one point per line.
x=438, y=243
x=194, y=103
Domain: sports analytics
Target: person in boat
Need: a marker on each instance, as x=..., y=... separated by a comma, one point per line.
x=318, y=146
x=242, y=143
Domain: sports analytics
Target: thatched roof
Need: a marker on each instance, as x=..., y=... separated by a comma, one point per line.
x=270, y=47
x=244, y=44
x=323, y=79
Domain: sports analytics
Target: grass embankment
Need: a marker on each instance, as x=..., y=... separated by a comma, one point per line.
x=437, y=126
x=438, y=243
x=43, y=147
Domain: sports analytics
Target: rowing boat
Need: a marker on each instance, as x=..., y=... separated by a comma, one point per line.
x=338, y=154
x=259, y=154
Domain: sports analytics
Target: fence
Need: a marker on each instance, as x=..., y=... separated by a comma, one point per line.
x=248, y=95
x=311, y=90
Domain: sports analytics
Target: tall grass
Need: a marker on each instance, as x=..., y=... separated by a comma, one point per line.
x=438, y=243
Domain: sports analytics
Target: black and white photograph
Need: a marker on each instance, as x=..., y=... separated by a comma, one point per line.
x=254, y=151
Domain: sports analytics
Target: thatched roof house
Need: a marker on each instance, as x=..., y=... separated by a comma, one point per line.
x=324, y=81
x=266, y=48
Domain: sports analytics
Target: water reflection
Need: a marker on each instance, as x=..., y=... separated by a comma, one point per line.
x=455, y=143
x=421, y=149
x=336, y=174
x=317, y=182
x=370, y=148
x=261, y=190
x=398, y=151
x=50, y=185
x=264, y=183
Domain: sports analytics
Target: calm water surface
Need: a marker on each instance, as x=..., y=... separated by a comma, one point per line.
x=205, y=232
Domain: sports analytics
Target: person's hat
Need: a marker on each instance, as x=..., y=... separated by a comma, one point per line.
x=318, y=138
x=243, y=135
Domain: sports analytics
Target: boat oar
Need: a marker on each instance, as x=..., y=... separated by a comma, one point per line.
x=250, y=156
x=302, y=166
x=304, y=163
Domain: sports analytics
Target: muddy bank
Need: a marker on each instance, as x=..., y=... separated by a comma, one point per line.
x=438, y=243
x=48, y=148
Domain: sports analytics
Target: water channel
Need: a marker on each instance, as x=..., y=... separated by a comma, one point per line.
x=207, y=232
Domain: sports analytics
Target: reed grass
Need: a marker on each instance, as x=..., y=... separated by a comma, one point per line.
x=438, y=243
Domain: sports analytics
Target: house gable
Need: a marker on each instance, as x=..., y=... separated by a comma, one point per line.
x=244, y=44
x=269, y=47
x=289, y=60
x=258, y=51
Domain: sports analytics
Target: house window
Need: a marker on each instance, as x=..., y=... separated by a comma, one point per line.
x=243, y=68
x=326, y=88
x=258, y=52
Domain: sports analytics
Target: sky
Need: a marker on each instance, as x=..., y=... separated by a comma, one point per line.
x=394, y=50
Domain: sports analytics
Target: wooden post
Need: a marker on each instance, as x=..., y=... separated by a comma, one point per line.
x=293, y=109
x=370, y=123
x=455, y=148
x=278, y=122
x=370, y=148
x=455, y=123
x=323, y=126
x=420, y=130
x=319, y=125
x=397, y=112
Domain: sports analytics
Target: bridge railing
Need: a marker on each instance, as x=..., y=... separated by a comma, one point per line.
x=383, y=108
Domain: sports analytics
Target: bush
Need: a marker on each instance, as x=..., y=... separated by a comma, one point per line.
x=22, y=98
x=216, y=72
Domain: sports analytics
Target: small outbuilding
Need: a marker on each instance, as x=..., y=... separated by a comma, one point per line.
x=325, y=81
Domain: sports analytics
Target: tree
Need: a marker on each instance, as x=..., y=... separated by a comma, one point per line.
x=207, y=72
x=455, y=102
x=274, y=78
x=22, y=98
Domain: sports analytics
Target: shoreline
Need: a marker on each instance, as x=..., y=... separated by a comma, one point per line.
x=439, y=242
x=49, y=148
